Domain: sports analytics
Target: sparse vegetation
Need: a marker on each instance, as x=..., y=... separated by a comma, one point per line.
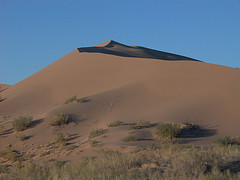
x=72, y=147
x=21, y=137
x=72, y=99
x=143, y=124
x=60, y=139
x=115, y=123
x=226, y=141
x=130, y=138
x=11, y=155
x=168, y=130
x=93, y=143
x=60, y=119
x=174, y=162
x=22, y=122
x=96, y=132
x=152, y=146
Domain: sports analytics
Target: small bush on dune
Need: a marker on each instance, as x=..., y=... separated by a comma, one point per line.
x=96, y=132
x=143, y=124
x=11, y=155
x=168, y=130
x=72, y=99
x=60, y=139
x=60, y=119
x=22, y=122
x=115, y=123
x=22, y=137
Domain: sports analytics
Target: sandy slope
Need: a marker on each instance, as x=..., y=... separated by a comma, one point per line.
x=130, y=84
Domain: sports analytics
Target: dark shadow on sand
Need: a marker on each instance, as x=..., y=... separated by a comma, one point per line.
x=135, y=52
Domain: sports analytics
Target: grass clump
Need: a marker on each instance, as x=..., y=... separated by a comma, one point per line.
x=60, y=119
x=168, y=130
x=22, y=122
x=72, y=147
x=96, y=132
x=93, y=143
x=22, y=137
x=115, y=123
x=143, y=124
x=72, y=99
x=130, y=138
x=61, y=139
x=226, y=141
x=11, y=155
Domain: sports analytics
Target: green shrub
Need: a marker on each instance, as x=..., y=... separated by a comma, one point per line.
x=96, y=132
x=74, y=98
x=115, y=123
x=143, y=124
x=168, y=130
x=22, y=122
x=22, y=137
x=11, y=155
x=60, y=139
x=60, y=119
x=130, y=138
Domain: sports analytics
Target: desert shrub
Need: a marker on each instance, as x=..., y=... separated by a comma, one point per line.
x=130, y=138
x=22, y=137
x=96, y=132
x=11, y=155
x=143, y=124
x=60, y=119
x=60, y=139
x=72, y=99
x=225, y=141
x=115, y=123
x=168, y=130
x=93, y=143
x=22, y=122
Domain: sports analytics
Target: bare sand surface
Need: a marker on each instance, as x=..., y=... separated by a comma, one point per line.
x=127, y=83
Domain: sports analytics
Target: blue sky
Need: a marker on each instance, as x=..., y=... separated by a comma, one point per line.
x=35, y=33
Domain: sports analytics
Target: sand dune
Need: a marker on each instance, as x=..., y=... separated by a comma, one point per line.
x=128, y=83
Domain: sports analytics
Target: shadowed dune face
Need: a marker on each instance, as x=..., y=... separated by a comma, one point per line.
x=114, y=48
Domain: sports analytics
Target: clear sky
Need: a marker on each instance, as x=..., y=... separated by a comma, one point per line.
x=35, y=33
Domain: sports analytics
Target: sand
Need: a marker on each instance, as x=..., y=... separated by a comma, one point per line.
x=127, y=83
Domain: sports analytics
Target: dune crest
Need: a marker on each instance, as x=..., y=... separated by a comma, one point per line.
x=114, y=48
